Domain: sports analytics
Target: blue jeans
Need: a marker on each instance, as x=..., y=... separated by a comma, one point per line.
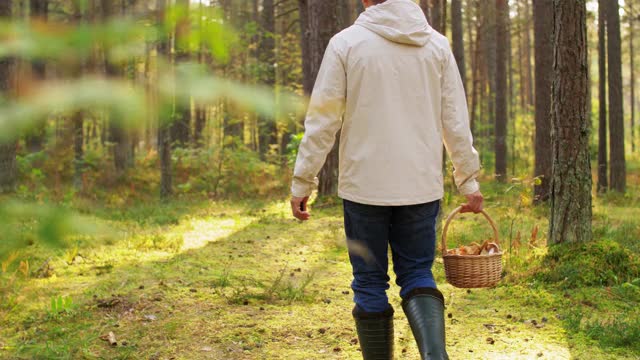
x=411, y=233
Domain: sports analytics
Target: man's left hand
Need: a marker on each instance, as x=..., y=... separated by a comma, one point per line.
x=299, y=208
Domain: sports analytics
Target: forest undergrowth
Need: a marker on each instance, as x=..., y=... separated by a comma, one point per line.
x=240, y=279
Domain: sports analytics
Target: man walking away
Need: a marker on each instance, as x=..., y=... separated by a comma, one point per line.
x=391, y=84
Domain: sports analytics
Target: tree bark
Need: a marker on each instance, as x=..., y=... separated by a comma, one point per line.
x=426, y=9
x=359, y=7
x=8, y=171
x=308, y=77
x=617, y=173
x=268, y=134
x=436, y=16
x=164, y=135
x=603, y=178
x=181, y=125
x=36, y=137
x=502, y=12
x=457, y=34
x=474, y=49
x=632, y=83
x=200, y=120
x=489, y=56
x=323, y=22
x=543, y=51
x=344, y=13
x=527, y=53
x=571, y=182
x=77, y=121
x=117, y=135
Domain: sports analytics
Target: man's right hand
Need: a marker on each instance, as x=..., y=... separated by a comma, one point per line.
x=299, y=208
x=474, y=203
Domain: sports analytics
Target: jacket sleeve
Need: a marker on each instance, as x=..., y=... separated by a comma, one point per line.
x=323, y=120
x=456, y=129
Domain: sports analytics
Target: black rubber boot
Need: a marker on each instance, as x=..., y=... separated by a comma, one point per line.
x=424, y=308
x=375, y=333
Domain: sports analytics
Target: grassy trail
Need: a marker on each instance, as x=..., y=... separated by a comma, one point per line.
x=200, y=280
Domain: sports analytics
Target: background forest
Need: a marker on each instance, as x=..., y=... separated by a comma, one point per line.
x=146, y=150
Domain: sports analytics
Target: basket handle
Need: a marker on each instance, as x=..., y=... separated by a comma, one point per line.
x=450, y=218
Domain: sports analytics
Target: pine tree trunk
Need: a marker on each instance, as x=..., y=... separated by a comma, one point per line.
x=632, y=83
x=474, y=49
x=502, y=12
x=617, y=173
x=603, y=178
x=200, y=120
x=164, y=135
x=571, y=182
x=543, y=51
x=323, y=23
x=426, y=8
x=436, y=15
x=489, y=53
x=7, y=147
x=443, y=27
x=268, y=134
x=181, y=125
x=117, y=135
x=77, y=121
x=36, y=137
x=305, y=44
x=457, y=34
x=520, y=40
x=359, y=7
x=344, y=13
x=527, y=54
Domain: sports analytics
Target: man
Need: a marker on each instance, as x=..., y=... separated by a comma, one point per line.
x=390, y=83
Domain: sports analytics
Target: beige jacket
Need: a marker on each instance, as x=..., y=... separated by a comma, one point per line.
x=391, y=84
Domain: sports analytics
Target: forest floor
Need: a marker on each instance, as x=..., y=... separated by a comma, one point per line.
x=242, y=280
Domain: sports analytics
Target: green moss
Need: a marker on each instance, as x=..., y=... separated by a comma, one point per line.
x=241, y=280
x=598, y=263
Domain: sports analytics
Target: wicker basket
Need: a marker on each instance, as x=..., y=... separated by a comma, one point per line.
x=471, y=271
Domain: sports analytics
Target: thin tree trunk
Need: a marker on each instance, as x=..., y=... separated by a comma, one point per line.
x=457, y=34
x=521, y=66
x=359, y=7
x=117, y=135
x=474, y=50
x=502, y=12
x=268, y=132
x=181, y=124
x=511, y=97
x=200, y=120
x=632, y=83
x=617, y=173
x=444, y=17
x=164, y=135
x=77, y=121
x=527, y=53
x=603, y=178
x=35, y=139
x=305, y=45
x=436, y=15
x=543, y=51
x=8, y=172
x=344, y=13
x=571, y=184
x=489, y=52
x=426, y=9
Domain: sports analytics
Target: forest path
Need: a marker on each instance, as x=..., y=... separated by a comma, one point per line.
x=229, y=281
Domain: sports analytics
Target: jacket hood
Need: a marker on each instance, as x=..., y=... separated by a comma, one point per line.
x=400, y=21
